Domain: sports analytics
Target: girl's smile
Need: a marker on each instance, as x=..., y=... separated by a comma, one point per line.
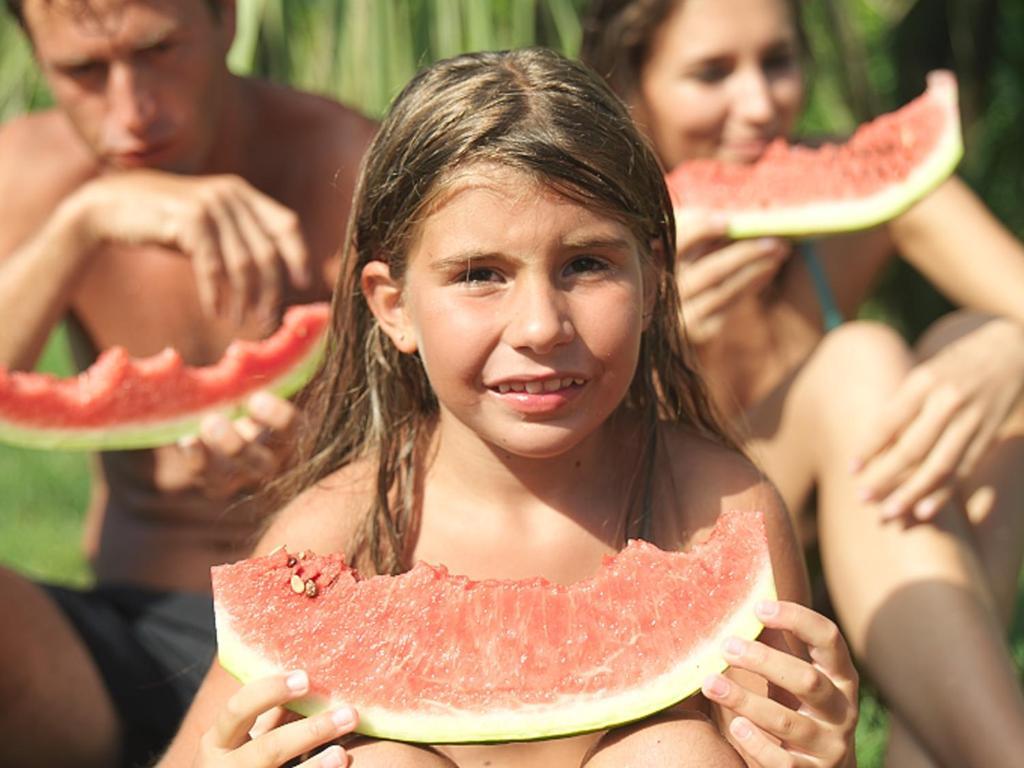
x=525, y=308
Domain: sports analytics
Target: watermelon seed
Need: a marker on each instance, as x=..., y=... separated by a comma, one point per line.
x=302, y=555
x=310, y=588
x=292, y=561
x=298, y=586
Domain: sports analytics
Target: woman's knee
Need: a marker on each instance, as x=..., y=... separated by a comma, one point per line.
x=676, y=740
x=369, y=753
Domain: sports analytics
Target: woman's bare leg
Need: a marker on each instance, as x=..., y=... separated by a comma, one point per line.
x=993, y=500
x=915, y=601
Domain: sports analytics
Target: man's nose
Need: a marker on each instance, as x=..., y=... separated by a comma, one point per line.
x=131, y=102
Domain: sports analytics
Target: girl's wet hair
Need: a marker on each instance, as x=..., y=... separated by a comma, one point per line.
x=617, y=37
x=530, y=110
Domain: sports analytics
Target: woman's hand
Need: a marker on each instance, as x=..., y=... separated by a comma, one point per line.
x=713, y=273
x=941, y=421
x=249, y=733
x=817, y=724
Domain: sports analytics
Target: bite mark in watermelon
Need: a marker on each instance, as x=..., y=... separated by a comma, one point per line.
x=886, y=166
x=428, y=656
x=120, y=402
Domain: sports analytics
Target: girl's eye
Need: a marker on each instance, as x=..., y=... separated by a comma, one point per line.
x=476, y=275
x=586, y=264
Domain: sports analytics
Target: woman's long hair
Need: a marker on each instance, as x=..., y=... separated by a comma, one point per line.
x=530, y=110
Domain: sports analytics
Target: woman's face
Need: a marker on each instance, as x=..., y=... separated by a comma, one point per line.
x=721, y=80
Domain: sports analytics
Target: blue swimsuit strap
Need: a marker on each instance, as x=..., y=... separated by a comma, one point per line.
x=831, y=316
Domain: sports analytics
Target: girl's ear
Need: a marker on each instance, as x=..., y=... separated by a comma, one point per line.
x=384, y=297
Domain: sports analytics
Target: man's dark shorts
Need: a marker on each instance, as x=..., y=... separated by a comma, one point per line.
x=153, y=650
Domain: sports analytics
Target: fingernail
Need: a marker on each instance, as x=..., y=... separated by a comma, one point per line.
x=766, y=609
x=892, y=509
x=866, y=494
x=332, y=757
x=297, y=681
x=734, y=646
x=926, y=509
x=715, y=686
x=855, y=466
x=261, y=403
x=343, y=718
x=740, y=728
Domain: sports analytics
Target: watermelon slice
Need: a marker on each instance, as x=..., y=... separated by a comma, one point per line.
x=120, y=402
x=428, y=656
x=886, y=166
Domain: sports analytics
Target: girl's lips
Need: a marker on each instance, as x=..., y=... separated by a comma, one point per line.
x=538, y=397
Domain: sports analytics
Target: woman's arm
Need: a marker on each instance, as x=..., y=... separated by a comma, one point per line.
x=956, y=242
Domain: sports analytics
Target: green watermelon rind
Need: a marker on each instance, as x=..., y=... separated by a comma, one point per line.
x=150, y=434
x=533, y=721
x=849, y=215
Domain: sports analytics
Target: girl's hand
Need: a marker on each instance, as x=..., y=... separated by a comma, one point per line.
x=941, y=420
x=237, y=740
x=818, y=728
x=713, y=273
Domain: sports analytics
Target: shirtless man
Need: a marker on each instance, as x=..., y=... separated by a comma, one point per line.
x=163, y=202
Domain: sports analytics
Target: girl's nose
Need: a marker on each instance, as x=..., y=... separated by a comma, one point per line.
x=538, y=318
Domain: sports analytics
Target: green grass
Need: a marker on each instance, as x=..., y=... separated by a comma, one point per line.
x=44, y=497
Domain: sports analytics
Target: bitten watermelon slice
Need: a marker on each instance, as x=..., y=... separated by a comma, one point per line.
x=120, y=402
x=432, y=657
x=886, y=166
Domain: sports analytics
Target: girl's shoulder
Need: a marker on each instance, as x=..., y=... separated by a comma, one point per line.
x=704, y=479
x=326, y=516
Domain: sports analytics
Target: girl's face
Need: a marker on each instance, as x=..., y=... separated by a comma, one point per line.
x=722, y=79
x=526, y=310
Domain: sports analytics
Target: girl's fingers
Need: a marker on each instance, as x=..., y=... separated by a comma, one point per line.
x=811, y=686
x=824, y=641
x=274, y=749
x=758, y=750
x=238, y=716
x=332, y=757
x=791, y=727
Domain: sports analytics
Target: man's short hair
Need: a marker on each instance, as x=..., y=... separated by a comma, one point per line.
x=17, y=9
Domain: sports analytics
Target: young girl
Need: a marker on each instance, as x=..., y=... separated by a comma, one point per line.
x=510, y=396
x=863, y=436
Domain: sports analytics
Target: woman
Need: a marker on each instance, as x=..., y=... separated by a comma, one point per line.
x=912, y=455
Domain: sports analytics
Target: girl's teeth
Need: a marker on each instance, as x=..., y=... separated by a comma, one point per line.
x=536, y=387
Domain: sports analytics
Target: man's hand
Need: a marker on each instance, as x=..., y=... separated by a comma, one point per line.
x=241, y=242
x=230, y=456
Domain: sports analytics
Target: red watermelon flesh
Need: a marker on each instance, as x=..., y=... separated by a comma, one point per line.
x=434, y=657
x=886, y=166
x=121, y=402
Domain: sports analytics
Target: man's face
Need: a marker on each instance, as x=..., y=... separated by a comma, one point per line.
x=140, y=80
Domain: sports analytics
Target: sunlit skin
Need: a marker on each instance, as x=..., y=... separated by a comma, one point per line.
x=721, y=80
x=136, y=80
x=513, y=299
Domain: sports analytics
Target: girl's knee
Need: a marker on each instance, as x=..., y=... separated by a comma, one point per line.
x=370, y=753
x=676, y=740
